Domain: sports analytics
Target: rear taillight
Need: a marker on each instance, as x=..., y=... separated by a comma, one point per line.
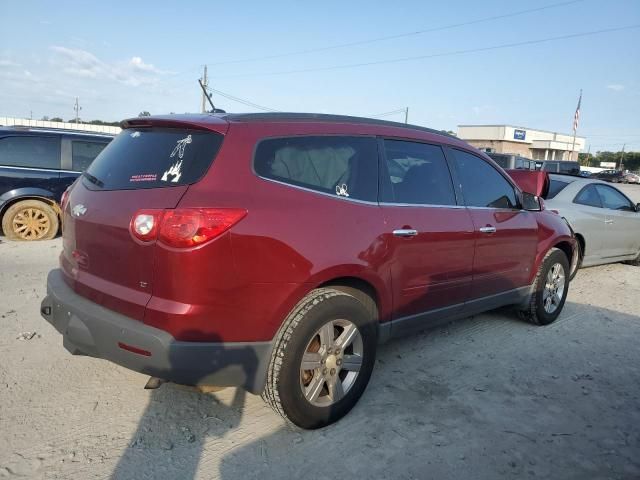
x=64, y=200
x=145, y=224
x=184, y=227
x=188, y=227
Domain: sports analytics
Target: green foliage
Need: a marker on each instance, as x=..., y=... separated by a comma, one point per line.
x=631, y=160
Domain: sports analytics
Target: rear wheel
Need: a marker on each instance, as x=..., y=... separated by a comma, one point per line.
x=549, y=290
x=322, y=359
x=30, y=220
x=580, y=254
x=635, y=262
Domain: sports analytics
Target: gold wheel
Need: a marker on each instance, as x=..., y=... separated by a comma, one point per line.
x=30, y=220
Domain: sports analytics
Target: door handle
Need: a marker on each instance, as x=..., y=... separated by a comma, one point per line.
x=488, y=229
x=405, y=232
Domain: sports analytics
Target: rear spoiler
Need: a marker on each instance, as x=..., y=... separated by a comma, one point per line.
x=197, y=122
x=531, y=181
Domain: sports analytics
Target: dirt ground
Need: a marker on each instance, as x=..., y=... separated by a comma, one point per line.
x=487, y=397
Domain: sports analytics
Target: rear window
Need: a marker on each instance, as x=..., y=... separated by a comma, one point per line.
x=83, y=153
x=555, y=187
x=572, y=168
x=30, y=151
x=336, y=165
x=152, y=158
x=502, y=160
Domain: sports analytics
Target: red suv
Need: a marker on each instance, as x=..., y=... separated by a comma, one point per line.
x=275, y=251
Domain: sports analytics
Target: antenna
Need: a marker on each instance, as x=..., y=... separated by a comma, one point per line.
x=204, y=90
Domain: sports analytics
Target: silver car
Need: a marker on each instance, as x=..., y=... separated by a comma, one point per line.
x=606, y=223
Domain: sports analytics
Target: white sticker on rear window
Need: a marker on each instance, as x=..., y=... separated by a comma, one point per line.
x=180, y=146
x=175, y=171
x=134, y=134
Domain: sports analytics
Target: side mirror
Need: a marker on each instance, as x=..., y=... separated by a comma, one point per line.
x=531, y=202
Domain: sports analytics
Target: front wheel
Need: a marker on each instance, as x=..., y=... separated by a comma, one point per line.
x=322, y=360
x=549, y=289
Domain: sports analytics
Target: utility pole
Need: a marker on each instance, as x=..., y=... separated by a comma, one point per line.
x=30, y=114
x=406, y=115
x=77, y=109
x=205, y=84
x=587, y=157
x=622, y=158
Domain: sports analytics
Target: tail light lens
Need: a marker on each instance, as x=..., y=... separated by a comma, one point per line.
x=145, y=224
x=184, y=227
x=64, y=200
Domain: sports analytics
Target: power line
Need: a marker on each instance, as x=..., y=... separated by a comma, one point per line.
x=434, y=55
x=241, y=100
x=399, y=35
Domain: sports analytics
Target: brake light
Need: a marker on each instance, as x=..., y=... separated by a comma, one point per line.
x=183, y=227
x=145, y=224
x=65, y=199
x=189, y=227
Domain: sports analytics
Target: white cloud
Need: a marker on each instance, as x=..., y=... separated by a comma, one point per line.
x=616, y=87
x=81, y=63
x=5, y=63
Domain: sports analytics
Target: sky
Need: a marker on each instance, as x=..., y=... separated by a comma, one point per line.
x=121, y=58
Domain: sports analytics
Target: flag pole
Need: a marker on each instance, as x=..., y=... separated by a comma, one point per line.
x=575, y=126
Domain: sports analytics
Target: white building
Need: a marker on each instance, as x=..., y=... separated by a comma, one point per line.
x=85, y=127
x=527, y=142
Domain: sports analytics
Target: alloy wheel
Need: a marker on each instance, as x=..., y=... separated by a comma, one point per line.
x=331, y=362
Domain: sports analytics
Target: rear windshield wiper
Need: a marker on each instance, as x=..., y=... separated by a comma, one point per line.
x=93, y=179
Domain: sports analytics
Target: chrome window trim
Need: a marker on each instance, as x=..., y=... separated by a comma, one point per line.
x=430, y=205
x=33, y=168
x=310, y=190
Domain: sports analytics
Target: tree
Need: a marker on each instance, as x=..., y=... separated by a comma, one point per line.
x=56, y=119
x=45, y=118
x=144, y=114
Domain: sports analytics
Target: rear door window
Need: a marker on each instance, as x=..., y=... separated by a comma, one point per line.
x=418, y=174
x=555, y=187
x=589, y=196
x=152, y=158
x=336, y=165
x=613, y=199
x=572, y=168
x=30, y=151
x=83, y=153
x=482, y=184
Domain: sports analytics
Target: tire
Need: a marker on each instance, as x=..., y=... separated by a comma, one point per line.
x=535, y=311
x=580, y=254
x=635, y=262
x=30, y=220
x=289, y=389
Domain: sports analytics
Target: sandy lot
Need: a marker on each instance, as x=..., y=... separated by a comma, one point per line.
x=487, y=397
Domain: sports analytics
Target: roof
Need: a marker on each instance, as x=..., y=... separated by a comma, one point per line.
x=217, y=118
x=324, y=118
x=60, y=131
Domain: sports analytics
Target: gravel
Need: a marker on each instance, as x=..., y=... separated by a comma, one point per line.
x=486, y=397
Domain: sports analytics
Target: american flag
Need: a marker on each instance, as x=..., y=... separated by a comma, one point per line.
x=576, y=117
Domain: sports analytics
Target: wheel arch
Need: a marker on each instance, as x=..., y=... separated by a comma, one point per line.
x=44, y=199
x=359, y=288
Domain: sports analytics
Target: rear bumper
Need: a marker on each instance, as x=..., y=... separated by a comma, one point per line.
x=90, y=329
